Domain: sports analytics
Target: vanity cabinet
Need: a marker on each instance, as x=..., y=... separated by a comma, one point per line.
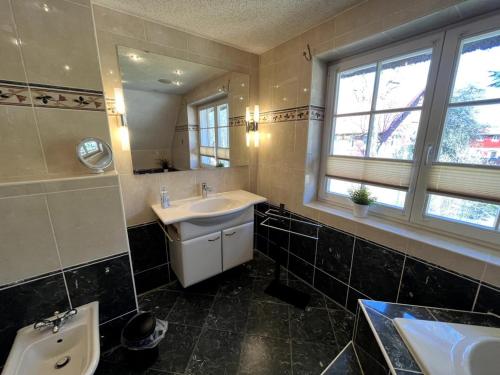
x=237, y=245
x=205, y=256
x=197, y=259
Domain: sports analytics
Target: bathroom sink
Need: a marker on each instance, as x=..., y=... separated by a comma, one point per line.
x=74, y=350
x=214, y=204
x=449, y=348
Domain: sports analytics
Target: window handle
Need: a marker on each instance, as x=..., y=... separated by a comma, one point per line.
x=429, y=154
x=214, y=239
x=229, y=234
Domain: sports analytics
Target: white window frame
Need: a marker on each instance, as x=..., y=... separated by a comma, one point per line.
x=432, y=41
x=215, y=106
x=444, y=85
x=446, y=49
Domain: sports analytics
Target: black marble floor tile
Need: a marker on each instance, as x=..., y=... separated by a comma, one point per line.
x=317, y=299
x=217, y=352
x=108, y=368
x=265, y=356
x=312, y=324
x=376, y=271
x=159, y=302
x=110, y=332
x=176, y=348
x=147, y=246
x=488, y=300
x=26, y=303
x=268, y=319
x=301, y=268
x=392, y=310
x=333, y=288
x=260, y=267
x=425, y=285
x=465, y=317
x=396, y=349
x=229, y=314
x=345, y=364
x=109, y=282
x=334, y=253
x=208, y=287
x=236, y=283
x=259, y=294
x=352, y=300
x=152, y=278
x=343, y=325
x=191, y=309
x=333, y=305
x=311, y=358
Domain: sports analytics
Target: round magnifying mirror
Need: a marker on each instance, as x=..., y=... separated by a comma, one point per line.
x=95, y=154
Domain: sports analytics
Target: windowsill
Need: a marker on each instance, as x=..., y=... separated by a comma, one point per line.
x=410, y=232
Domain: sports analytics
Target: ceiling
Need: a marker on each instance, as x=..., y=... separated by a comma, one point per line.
x=251, y=25
x=141, y=70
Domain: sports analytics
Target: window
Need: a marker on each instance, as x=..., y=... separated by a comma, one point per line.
x=418, y=125
x=214, y=135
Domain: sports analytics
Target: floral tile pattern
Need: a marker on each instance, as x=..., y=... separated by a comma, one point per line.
x=16, y=93
x=292, y=114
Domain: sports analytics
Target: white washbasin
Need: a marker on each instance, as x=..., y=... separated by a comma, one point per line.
x=38, y=351
x=214, y=205
x=450, y=348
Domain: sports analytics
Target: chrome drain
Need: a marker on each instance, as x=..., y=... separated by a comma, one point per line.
x=62, y=362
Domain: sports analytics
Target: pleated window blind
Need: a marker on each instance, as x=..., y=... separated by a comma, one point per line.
x=418, y=124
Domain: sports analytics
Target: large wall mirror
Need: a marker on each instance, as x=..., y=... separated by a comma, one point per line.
x=182, y=115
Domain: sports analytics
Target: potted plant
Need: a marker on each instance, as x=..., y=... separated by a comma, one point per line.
x=361, y=199
x=164, y=163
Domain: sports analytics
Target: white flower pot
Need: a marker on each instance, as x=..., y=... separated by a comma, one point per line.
x=360, y=210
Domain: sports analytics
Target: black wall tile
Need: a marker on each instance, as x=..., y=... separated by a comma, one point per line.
x=352, y=300
x=303, y=247
x=425, y=285
x=331, y=287
x=260, y=243
x=334, y=254
x=260, y=229
x=276, y=236
x=488, y=300
x=110, y=332
x=376, y=271
x=152, y=278
x=300, y=268
x=109, y=282
x=364, y=339
x=147, y=246
x=24, y=304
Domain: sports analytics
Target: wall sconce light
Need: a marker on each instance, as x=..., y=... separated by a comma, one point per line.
x=120, y=110
x=252, y=126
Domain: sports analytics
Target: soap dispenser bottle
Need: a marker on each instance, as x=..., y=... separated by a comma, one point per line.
x=164, y=198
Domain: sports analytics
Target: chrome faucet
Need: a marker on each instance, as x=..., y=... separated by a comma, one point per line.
x=205, y=189
x=56, y=321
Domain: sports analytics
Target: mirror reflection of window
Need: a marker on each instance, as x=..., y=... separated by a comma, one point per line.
x=214, y=135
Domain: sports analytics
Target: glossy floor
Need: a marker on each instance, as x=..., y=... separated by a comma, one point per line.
x=228, y=325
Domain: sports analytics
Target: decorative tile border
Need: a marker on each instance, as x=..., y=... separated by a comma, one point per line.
x=186, y=128
x=237, y=121
x=292, y=114
x=45, y=96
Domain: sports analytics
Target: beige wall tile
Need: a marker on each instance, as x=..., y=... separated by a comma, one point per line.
x=180, y=185
x=118, y=23
x=20, y=151
x=492, y=275
x=139, y=193
x=236, y=178
x=78, y=183
x=11, y=68
x=450, y=260
x=62, y=130
x=166, y=36
x=88, y=224
x=58, y=45
x=27, y=247
x=338, y=222
x=382, y=237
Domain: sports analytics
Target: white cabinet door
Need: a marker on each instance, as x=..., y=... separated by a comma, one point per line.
x=197, y=259
x=237, y=245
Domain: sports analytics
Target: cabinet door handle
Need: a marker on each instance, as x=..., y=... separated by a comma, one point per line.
x=214, y=239
x=229, y=234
